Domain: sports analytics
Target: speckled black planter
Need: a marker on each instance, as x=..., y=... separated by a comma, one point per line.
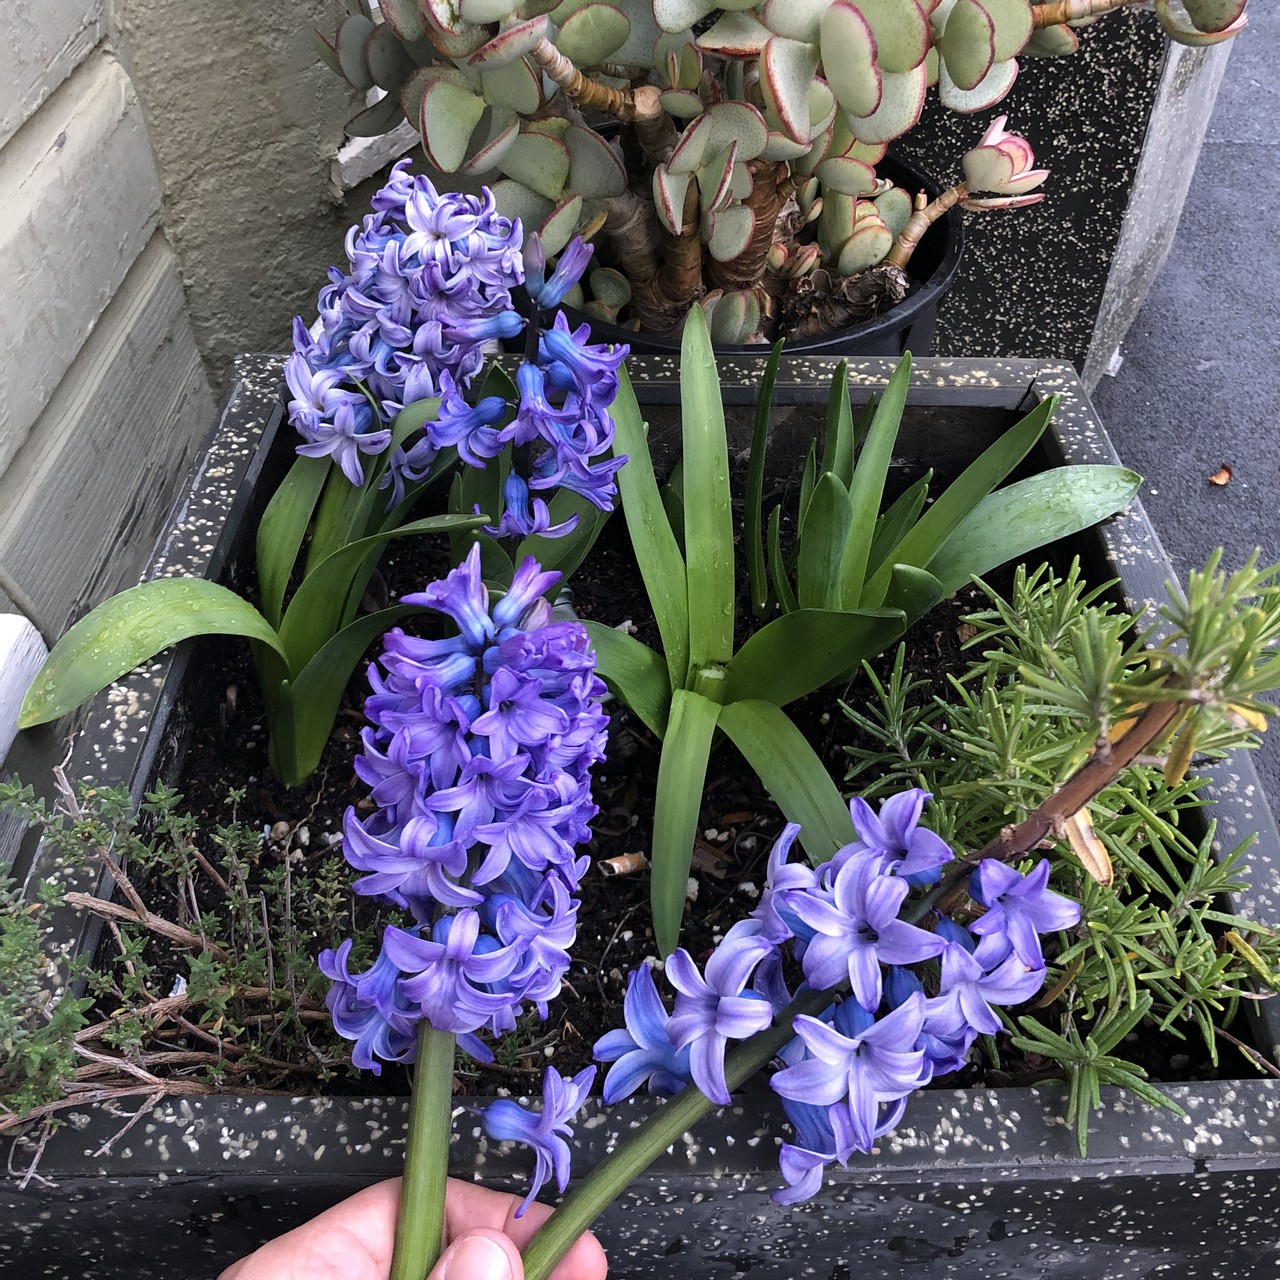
x=974, y=1183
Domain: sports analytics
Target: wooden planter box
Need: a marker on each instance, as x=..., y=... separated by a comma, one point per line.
x=977, y=1182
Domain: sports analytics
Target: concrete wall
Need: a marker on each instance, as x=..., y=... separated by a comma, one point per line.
x=102, y=392
x=245, y=122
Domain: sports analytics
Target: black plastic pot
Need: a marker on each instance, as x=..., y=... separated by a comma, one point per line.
x=907, y=327
x=973, y=1183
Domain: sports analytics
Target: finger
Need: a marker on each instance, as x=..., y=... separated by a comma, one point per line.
x=482, y=1253
x=348, y=1242
x=468, y=1206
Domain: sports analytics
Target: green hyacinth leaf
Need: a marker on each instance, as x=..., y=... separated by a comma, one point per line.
x=1028, y=514
x=131, y=628
x=634, y=673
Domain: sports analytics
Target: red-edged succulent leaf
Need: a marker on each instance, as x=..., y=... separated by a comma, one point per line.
x=822, y=107
x=795, y=19
x=835, y=222
x=1180, y=25
x=538, y=161
x=787, y=68
x=730, y=232
x=669, y=190
x=738, y=122
x=848, y=176
x=899, y=109
x=993, y=86
x=690, y=151
x=968, y=44
x=403, y=18
x=1052, y=42
x=683, y=104
x=353, y=38
x=449, y=35
x=734, y=35
x=894, y=207
x=374, y=121
x=515, y=200
x=734, y=317
x=849, y=58
x=1013, y=22
x=866, y=247
x=901, y=30
x=504, y=129
x=680, y=15
x=593, y=34
x=510, y=44
x=483, y=11
x=516, y=86
x=594, y=168
x=447, y=116
x=388, y=60
x=558, y=227
x=779, y=147
x=715, y=182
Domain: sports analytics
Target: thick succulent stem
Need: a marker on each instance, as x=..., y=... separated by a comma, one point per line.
x=585, y=92
x=1055, y=12
x=654, y=129
x=765, y=202
x=660, y=303
x=927, y=212
x=633, y=228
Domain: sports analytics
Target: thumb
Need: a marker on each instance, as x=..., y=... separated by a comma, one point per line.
x=479, y=1254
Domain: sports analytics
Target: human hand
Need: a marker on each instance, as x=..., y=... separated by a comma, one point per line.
x=353, y=1241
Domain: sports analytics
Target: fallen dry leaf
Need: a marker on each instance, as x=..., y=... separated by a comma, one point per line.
x=1222, y=475
x=1078, y=829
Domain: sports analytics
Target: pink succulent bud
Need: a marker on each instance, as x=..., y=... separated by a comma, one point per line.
x=1001, y=164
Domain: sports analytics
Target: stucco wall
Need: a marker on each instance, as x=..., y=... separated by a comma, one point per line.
x=244, y=122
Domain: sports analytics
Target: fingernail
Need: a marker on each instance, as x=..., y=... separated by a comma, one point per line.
x=476, y=1258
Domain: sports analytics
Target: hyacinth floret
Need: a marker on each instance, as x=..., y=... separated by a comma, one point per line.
x=479, y=761
x=428, y=283
x=547, y=1131
x=911, y=990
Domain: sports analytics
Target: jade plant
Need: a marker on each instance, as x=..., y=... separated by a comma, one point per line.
x=750, y=132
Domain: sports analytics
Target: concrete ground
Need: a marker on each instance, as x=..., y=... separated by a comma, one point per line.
x=1199, y=385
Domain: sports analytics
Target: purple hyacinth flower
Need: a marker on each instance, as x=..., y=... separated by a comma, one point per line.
x=345, y=439
x=448, y=974
x=713, y=1010
x=472, y=431
x=968, y=989
x=857, y=929
x=573, y=261
x=464, y=597
x=858, y=1063
x=524, y=606
x=523, y=517
x=907, y=849
x=642, y=1052
x=546, y=1131
x=367, y=1009
x=1019, y=907
x=778, y=921
x=519, y=716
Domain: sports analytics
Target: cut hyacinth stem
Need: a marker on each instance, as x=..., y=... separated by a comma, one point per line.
x=611, y=1177
x=420, y=1224
x=926, y=213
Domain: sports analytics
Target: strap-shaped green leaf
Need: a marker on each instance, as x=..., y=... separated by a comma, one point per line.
x=565, y=553
x=896, y=520
x=308, y=710
x=336, y=516
x=708, y=533
x=1028, y=514
x=657, y=553
x=787, y=601
x=682, y=771
x=979, y=478
x=822, y=540
x=794, y=775
x=837, y=453
x=866, y=492
x=752, y=514
x=130, y=628
x=315, y=612
x=808, y=478
x=634, y=673
x=914, y=591
x=800, y=652
x=282, y=528
x=412, y=418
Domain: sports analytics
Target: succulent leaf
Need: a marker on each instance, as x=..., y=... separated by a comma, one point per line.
x=593, y=34
x=787, y=68
x=484, y=11
x=669, y=191
x=1052, y=42
x=560, y=224
x=508, y=45
x=734, y=35
x=993, y=86
x=901, y=30
x=517, y=86
x=504, y=129
x=866, y=247
x=1214, y=15
x=515, y=200
x=1013, y=23
x=849, y=59
x=738, y=122
x=610, y=287
x=968, y=44
x=353, y=35
x=795, y=19
x=388, y=60
x=899, y=109
x=894, y=207
x=375, y=120
x=403, y=18
x=731, y=232
x=846, y=175
x=679, y=15
x=683, y=104
x=594, y=168
x=447, y=118
x=715, y=182
x=539, y=161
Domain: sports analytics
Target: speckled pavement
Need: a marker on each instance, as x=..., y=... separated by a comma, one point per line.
x=1200, y=381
